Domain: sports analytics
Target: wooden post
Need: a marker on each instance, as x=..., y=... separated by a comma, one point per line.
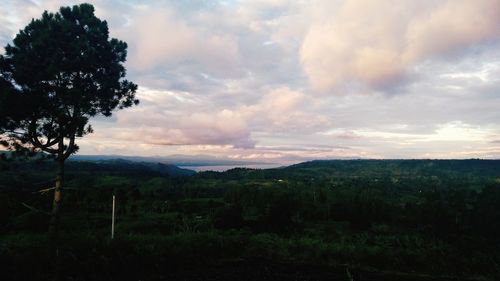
x=113, y=219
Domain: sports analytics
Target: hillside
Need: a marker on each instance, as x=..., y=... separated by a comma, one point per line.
x=388, y=219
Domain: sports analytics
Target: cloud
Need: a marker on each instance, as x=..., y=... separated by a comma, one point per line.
x=452, y=26
x=160, y=38
x=224, y=127
x=284, y=110
x=199, y=129
x=298, y=80
x=180, y=118
x=376, y=43
x=13, y=17
x=278, y=108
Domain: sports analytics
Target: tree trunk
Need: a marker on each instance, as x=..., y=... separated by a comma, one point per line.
x=54, y=221
x=56, y=203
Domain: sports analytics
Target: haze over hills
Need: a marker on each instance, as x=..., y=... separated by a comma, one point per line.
x=178, y=160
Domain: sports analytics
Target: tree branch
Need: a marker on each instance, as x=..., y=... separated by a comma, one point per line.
x=36, y=142
x=70, y=148
x=35, y=209
x=68, y=111
x=50, y=143
x=43, y=191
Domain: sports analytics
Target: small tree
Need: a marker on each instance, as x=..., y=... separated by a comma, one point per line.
x=60, y=70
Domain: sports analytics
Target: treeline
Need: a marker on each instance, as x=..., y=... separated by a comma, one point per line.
x=425, y=216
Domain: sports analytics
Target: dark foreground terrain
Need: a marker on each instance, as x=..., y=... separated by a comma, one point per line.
x=319, y=220
x=245, y=270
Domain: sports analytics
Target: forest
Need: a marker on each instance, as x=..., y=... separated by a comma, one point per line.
x=317, y=220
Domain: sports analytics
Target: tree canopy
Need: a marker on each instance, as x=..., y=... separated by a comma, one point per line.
x=59, y=71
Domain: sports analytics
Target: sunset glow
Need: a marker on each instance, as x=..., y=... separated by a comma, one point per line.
x=287, y=81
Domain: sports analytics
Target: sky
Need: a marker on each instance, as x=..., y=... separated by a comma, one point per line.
x=288, y=81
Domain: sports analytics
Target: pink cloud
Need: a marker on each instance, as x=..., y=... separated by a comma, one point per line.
x=224, y=127
x=454, y=25
x=159, y=37
x=284, y=110
x=377, y=42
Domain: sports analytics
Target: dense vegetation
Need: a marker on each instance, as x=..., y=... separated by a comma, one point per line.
x=418, y=217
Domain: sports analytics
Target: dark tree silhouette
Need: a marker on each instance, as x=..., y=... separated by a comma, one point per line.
x=60, y=70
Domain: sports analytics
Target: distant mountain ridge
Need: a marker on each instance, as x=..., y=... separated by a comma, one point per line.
x=177, y=160
x=124, y=165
